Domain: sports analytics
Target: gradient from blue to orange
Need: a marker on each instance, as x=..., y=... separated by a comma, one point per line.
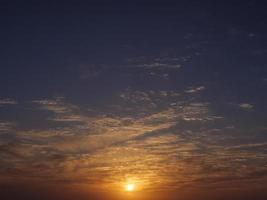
x=166, y=96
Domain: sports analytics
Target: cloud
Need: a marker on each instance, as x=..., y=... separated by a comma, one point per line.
x=149, y=100
x=56, y=105
x=156, y=65
x=246, y=106
x=160, y=138
x=64, y=112
x=6, y=126
x=68, y=118
x=195, y=89
x=13, y=150
x=6, y=102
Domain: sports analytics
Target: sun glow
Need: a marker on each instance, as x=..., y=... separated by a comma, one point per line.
x=129, y=187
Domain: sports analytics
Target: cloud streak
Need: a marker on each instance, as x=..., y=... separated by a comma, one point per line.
x=160, y=138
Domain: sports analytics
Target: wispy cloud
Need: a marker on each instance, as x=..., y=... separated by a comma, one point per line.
x=246, y=106
x=6, y=102
x=6, y=126
x=63, y=112
x=157, y=137
x=161, y=65
x=195, y=89
x=56, y=105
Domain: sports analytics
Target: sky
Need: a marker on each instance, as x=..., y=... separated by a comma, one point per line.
x=168, y=96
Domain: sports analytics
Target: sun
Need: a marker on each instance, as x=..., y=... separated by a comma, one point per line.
x=129, y=187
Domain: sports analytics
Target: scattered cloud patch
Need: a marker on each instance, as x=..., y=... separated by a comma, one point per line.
x=195, y=89
x=6, y=126
x=176, y=135
x=246, y=106
x=56, y=105
x=63, y=112
x=6, y=102
x=161, y=65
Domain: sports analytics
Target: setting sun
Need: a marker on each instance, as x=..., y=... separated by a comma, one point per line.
x=129, y=187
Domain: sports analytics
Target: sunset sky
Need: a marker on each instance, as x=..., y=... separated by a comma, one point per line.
x=133, y=100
